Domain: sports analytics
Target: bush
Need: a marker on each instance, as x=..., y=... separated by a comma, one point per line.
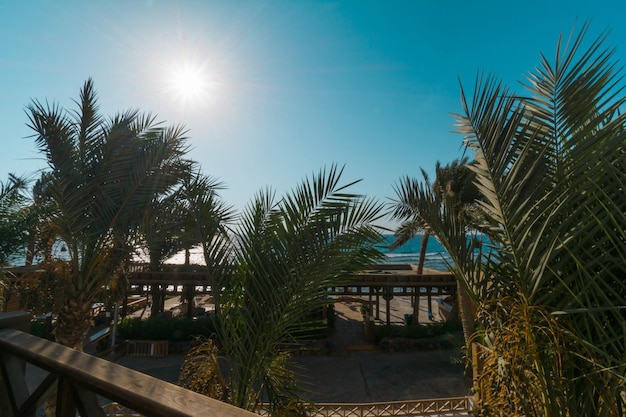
x=41, y=328
x=310, y=331
x=172, y=329
x=418, y=331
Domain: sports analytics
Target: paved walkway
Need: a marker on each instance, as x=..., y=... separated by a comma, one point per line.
x=360, y=376
x=349, y=323
x=373, y=376
x=349, y=328
x=353, y=373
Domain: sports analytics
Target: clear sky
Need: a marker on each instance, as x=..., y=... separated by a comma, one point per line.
x=280, y=89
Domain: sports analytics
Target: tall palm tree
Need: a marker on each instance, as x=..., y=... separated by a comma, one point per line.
x=287, y=252
x=454, y=188
x=552, y=296
x=103, y=175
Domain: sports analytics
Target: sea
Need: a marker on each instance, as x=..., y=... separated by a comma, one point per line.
x=436, y=256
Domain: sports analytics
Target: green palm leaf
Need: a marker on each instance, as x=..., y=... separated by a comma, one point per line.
x=104, y=174
x=288, y=252
x=554, y=205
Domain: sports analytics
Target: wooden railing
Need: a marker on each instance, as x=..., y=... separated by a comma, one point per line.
x=85, y=383
x=96, y=387
x=393, y=276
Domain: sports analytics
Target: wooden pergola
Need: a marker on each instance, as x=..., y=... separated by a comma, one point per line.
x=389, y=280
x=384, y=281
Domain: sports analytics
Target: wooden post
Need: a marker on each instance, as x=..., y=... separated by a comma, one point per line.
x=388, y=307
x=388, y=295
x=65, y=405
x=157, y=300
x=430, y=304
x=190, y=296
x=125, y=301
x=416, y=305
x=13, y=369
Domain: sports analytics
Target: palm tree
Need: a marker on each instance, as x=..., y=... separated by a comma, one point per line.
x=552, y=297
x=42, y=231
x=287, y=253
x=454, y=188
x=210, y=224
x=165, y=230
x=15, y=217
x=103, y=176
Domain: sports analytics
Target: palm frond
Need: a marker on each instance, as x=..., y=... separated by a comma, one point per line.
x=288, y=252
x=104, y=174
x=548, y=165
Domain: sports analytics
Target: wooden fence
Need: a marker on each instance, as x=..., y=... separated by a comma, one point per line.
x=82, y=381
x=457, y=406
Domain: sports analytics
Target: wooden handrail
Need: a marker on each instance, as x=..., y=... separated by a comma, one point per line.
x=81, y=372
x=396, y=278
x=79, y=377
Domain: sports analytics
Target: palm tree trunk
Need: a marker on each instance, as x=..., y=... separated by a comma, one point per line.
x=420, y=270
x=73, y=323
x=424, y=245
x=157, y=292
x=30, y=251
x=467, y=312
x=157, y=300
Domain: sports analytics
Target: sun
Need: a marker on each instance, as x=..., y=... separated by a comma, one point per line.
x=189, y=84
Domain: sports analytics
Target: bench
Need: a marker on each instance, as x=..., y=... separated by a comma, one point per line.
x=147, y=348
x=99, y=335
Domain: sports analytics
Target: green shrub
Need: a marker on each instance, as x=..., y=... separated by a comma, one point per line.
x=172, y=329
x=418, y=331
x=310, y=331
x=39, y=328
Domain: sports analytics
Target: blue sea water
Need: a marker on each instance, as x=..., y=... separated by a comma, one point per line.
x=436, y=256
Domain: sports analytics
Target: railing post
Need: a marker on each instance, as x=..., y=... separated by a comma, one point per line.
x=13, y=389
x=65, y=405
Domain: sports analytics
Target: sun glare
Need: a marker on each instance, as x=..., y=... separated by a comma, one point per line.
x=190, y=84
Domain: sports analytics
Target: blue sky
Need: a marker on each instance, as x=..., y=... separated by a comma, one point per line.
x=285, y=87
